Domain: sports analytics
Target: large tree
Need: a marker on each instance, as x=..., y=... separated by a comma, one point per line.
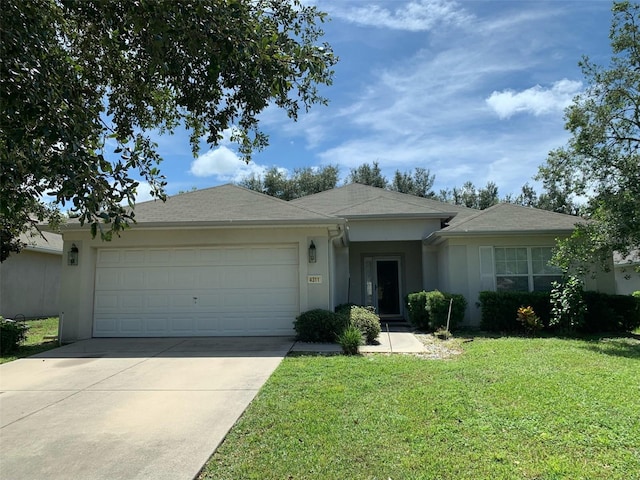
x=367, y=174
x=418, y=183
x=83, y=84
x=601, y=160
x=304, y=181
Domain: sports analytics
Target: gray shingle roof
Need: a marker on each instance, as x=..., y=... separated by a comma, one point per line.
x=510, y=218
x=224, y=204
x=355, y=200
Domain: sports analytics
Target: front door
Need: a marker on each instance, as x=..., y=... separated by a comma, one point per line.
x=382, y=285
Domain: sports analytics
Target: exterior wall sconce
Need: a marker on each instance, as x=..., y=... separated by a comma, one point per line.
x=72, y=256
x=312, y=253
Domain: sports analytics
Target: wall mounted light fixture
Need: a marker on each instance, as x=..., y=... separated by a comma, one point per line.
x=312, y=253
x=72, y=256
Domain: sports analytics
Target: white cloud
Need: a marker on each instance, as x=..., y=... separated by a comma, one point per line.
x=535, y=100
x=415, y=16
x=218, y=162
x=225, y=165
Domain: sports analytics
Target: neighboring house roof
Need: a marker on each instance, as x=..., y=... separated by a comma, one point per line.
x=223, y=205
x=363, y=201
x=44, y=242
x=508, y=218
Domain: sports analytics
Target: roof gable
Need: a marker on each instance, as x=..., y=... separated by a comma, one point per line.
x=356, y=200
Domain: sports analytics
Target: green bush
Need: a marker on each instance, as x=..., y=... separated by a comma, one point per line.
x=610, y=313
x=498, y=309
x=604, y=313
x=429, y=310
x=364, y=320
x=12, y=334
x=437, y=307
x=350, y=340
x=567, y=305
x=417, y=310
x=318, y=326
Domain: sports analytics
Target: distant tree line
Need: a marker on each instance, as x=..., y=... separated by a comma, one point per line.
x=418, y=181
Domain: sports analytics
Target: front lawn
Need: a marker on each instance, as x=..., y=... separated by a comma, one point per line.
x=35, y=341
x=506, y=408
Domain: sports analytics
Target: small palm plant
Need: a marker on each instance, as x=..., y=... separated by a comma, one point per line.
x=350, y=340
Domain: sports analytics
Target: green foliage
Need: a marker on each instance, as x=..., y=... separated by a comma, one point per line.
x=84, y=83
x=600, y=160
x=470, y=196
x=610, y=313
x=364, y=320
x=350, y=340
x=636, y=294
x=417, y=310
x=318, y=326
x=437, y=306
x=600, y=312
x=529, y=320
x=12, y=334
x=567, y=304
x=419, y=183
x=367, y=174
x=304, y=181
x=498, y=307
x=429, y=310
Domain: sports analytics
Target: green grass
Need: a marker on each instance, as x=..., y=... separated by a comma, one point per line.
x=507, y=408
x=35, y=342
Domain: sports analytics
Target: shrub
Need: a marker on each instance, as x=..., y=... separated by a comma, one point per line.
x=350, y=340
x=416, y=310
x=604, y=313
x=318, y=326
x=12, y=334
x=366, y=321
x=529, y=320
x=437, y=307
x=567, y=305
x=610, y=313
x=429, y=310
x=497, y=309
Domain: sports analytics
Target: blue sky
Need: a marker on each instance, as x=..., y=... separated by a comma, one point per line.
x=472, y=90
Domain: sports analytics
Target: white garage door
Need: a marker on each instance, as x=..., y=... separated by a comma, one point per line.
x=206, y=291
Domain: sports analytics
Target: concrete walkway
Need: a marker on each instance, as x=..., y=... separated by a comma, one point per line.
x=392, y=342
x=128, y=408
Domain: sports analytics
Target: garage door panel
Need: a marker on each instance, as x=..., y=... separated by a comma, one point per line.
x=196, y=291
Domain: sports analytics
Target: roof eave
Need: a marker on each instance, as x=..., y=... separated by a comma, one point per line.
x=441, y=234
x=402, y=216
x=224, y=224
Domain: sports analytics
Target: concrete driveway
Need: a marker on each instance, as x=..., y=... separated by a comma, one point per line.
x=128, y=408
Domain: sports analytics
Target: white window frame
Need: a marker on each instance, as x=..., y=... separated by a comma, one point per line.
x=489, y=276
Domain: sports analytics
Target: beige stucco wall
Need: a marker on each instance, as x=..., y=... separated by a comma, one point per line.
x=76, y=290
x=410, y=254
x=29, y=284
x=459, y=262
x=627, y=279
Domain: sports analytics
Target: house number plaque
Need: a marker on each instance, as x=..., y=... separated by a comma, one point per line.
x=314, y=279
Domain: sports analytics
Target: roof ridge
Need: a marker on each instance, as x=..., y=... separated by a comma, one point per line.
x=285, y=202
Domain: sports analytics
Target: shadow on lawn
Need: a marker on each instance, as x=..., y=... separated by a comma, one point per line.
x=628, y=346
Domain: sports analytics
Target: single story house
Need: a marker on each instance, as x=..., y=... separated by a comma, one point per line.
x=230, y=261
x=30, y=280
